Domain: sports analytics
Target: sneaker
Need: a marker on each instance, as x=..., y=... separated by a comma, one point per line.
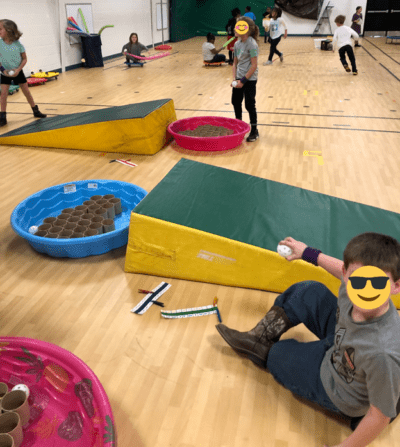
x=281, y=57
x=355, y=73
x=357, y=45
x=268, y=63
x=253, y=136
x=347, y=68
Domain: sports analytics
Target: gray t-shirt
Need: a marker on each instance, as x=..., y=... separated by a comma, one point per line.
x=363, y=365
x=244, y=51
x=134, y=48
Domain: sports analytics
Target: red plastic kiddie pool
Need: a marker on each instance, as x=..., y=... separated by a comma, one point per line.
x=222, y=143
x=68, y=405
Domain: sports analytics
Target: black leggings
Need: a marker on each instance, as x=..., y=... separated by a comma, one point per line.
x=248, y=91
x=342, y=53
x=273, y=49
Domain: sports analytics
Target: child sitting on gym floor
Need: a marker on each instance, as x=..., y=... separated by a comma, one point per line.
x=354, y=367
x=133, y=47
x=210, y=53
x=342, y=39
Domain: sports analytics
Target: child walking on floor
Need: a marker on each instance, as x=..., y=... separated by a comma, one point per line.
x=275, y=30
x=342, y=39
x=133, y=47
x=13, y=59
x=245, y=74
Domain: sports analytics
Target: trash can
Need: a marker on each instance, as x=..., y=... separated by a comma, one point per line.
x=91, y=51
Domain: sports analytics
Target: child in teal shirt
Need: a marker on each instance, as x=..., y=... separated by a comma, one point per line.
x=13, y=59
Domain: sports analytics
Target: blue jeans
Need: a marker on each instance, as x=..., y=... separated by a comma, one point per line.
x=297, y=365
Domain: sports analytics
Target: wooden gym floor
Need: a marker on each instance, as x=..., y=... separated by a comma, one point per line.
x=176, y=382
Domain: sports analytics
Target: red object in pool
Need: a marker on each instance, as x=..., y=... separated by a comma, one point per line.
x=36, y=81
x=240, y=128
x=163, y=47
x=68, y=405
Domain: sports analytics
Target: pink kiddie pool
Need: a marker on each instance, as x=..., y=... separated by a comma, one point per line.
x=68, y=405
x=222, y=143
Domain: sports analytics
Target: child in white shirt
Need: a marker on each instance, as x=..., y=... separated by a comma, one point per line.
x=210, y=53
x=275, y=30
x=342, y=40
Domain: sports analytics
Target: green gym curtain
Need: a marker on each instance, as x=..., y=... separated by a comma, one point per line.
x=191, y=18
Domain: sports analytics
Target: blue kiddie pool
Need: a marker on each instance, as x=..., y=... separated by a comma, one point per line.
x=51, y=201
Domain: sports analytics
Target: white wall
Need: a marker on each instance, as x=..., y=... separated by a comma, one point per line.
x=296, y=25
x=43, y=24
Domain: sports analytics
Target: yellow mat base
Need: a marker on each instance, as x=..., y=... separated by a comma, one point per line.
x=144, y=136
x=160, y=248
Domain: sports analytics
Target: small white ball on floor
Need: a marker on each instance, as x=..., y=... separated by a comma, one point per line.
x=33, y=229
x=22, y=387
x=284, y=250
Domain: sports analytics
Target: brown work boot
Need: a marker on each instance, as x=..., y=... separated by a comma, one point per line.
x=272, y=326
x=246, y=344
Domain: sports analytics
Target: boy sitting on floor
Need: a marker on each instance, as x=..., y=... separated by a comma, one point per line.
x=354, y=367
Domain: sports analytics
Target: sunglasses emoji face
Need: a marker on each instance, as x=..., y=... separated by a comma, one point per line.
x=368, y=287
x=241, y=27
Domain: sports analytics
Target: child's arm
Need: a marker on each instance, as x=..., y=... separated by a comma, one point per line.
x=215, y=51
x=24, y=60
x=334, y=41
x=252, y=69
x=234, y=67
x=284, y=25
x=354, y=34
x=331, y=265
x=368, y=429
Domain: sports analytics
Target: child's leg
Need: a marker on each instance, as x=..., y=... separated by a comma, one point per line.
x=3, y=97
x=352, y=58
x=342, y=55
x=219, y=58
x=311, y=303
x=307, y=302
x=297, y=367
x=237, y=98
x=230, y=56
x=272, y=49
x=36, y=112
x=27, y=93
x=250, y=101
x=276, y=46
